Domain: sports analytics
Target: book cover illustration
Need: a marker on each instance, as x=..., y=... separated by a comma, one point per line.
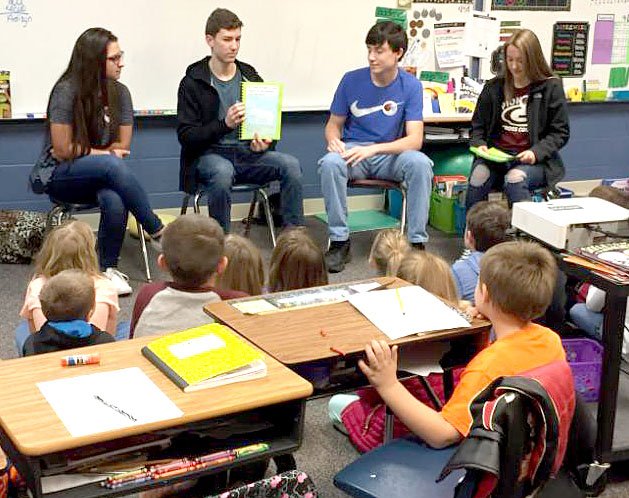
x=615, y=254
x=263, y=110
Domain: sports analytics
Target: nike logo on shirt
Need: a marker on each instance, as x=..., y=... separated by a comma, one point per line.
x=389, y=108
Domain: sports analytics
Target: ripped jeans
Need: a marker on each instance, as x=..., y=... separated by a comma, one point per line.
x=518, y=180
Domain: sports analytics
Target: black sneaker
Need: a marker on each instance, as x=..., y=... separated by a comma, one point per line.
x=338, y=254
x=418, y=246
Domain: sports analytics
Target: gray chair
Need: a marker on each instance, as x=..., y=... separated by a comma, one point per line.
x=259, y=193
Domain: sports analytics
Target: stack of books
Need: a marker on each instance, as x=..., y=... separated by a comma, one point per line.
x=610, y=260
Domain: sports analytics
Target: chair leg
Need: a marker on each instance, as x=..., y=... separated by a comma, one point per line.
x=54, y=217
x=269, y=215
x=145, y=255
x=403, y=213
x=184, y=204
x=430, y=392
x=247, y=221
x=197, y=198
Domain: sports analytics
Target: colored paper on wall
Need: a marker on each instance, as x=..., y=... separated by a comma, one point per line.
x=603, y=39
x=530, y=5
x=449, y=44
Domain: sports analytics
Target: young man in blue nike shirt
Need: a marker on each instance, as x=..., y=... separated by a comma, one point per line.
x=375, y=130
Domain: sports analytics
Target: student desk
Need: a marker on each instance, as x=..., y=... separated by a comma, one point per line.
x=613, y=404
x=31, y=432
x=295, y=337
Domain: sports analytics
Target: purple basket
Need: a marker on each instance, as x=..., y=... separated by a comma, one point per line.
x=585, y=357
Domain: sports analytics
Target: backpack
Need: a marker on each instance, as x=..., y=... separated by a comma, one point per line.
x=21, y=235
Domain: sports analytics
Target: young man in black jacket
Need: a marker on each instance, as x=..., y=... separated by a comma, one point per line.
x=209, y=112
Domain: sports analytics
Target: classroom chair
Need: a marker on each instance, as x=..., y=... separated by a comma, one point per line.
x=259, y=193
x=62, y=211
x=385, y=185
x=517, y=443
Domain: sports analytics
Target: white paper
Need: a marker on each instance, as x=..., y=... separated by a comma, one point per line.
x=366, y=287
x=418, y=312
x=482, y=35
x=198, y=345
x=106, y=401
x=52, y=484
x=254, y=306
x=449, y=44
x=422, y=358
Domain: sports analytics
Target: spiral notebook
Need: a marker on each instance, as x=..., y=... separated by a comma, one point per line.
x=263, y=110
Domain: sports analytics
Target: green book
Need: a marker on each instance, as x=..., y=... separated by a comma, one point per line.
x=263, y=110
x=493, y=154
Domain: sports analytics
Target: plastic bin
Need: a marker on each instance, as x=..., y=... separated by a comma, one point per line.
x=459, y=218
x=585, y=357
x=395, y=203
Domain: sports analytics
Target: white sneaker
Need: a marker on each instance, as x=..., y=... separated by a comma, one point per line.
x=120, y=281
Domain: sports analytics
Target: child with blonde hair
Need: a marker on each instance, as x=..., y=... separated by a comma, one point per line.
x=387, y=251
x=431, y=272
x=70, y=246
x=245, y=269
x=296, y=262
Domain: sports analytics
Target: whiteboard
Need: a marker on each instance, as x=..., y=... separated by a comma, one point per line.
x=306, y=44
x=580, y=11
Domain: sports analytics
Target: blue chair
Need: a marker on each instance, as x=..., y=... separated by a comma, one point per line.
x=390, y=469
x=259, y=193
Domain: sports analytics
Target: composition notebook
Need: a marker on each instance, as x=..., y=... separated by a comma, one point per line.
x=493, y=154
x=263, y=110
x=207, y=356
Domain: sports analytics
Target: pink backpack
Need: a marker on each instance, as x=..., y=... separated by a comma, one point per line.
x=364, y=418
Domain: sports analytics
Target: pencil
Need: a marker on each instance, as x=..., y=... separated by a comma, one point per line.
x=399, y=300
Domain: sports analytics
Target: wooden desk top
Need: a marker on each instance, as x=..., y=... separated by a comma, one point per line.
x=35, y=429
x=295, y=337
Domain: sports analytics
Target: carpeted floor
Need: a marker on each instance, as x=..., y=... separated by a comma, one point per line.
x=324, y=451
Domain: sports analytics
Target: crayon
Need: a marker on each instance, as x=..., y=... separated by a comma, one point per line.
x=80, y=359
x=214, y=456
x=323, y=333
x=337, y=351
x=251, y=449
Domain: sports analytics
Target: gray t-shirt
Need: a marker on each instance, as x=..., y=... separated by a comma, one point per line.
x=229, y=94
x=62, y=106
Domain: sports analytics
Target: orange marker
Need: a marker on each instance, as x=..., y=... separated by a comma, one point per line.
x=80, y=359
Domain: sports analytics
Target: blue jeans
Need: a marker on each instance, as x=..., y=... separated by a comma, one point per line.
x=223, y=167
x=411, y=167
x=517, y=187
x=587, y=320
x=105, y=180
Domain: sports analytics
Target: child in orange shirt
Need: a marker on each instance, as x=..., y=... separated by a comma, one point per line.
x=520, y=344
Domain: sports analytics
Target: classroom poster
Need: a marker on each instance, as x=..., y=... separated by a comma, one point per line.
x=569, y=49
x=482, y=35
x=449, y=44
x=603, y=39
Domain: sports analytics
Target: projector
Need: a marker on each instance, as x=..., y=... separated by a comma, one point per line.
x=562, y=223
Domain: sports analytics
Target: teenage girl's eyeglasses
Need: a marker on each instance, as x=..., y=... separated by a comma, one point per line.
x=116, y=58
